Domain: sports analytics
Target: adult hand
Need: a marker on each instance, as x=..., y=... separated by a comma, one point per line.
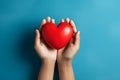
x=42, y=49
x=47, y=54
x=68, y=52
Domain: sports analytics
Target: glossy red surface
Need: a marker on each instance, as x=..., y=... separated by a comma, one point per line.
x=57, y=36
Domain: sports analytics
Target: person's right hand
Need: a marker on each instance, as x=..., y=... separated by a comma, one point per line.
x=44, y=51
x=67, y=53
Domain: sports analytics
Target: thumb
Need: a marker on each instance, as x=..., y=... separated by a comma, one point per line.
x=77, y=38
x=37, y=38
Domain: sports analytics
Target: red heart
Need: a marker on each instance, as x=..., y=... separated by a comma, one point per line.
x=57, y=36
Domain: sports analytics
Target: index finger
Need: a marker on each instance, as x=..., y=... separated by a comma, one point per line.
x=73, y=25
x=42, y=23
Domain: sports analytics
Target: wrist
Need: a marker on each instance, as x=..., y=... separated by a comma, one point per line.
x=48, y=62
x=64, y=62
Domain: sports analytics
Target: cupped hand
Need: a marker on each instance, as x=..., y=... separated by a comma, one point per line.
x=68, y=52
x=42, y=49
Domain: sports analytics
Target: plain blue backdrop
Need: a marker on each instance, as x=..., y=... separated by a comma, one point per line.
x=98, y=21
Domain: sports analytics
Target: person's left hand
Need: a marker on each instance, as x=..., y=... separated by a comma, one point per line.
x=44, y=51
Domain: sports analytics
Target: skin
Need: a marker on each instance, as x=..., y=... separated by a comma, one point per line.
x=63, y=56
x=47, y=55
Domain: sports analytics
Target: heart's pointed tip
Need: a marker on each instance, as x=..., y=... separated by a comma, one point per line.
x=59, y=47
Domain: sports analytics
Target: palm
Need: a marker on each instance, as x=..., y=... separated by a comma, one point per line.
x=68, y=52
x=46, y=52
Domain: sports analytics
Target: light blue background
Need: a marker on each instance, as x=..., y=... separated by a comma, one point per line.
x=98, y=21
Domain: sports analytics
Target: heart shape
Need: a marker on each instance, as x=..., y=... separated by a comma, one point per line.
x=57, y=36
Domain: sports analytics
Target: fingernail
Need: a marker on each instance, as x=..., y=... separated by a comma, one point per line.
x=62, y=20
x=67, y=18
x=48, y=17
x=43, y=19
x=78, y=34
x=71, y=20
x=53, y=20
x=36, y=30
